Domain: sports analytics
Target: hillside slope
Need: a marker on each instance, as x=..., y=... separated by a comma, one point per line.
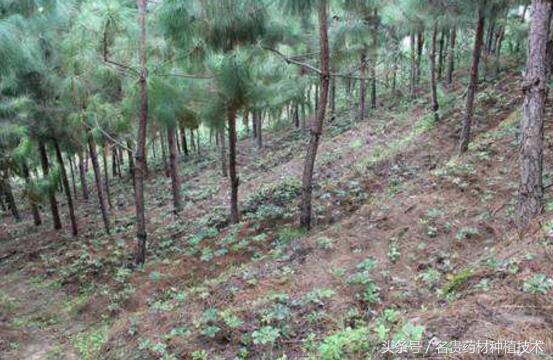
x=411, y=243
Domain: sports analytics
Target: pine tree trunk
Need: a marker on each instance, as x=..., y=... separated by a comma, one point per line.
x=451, y=59
x=34, y=208
x=316, y=98
x=374, y=60
x=51, y=192
x=72, y=170
x=316, y=128
x=2, y=204
x=99, y=185
x=223, y=149
x=131, y=162
x=259, y=131
x=113, y=161
x=164, y=154
x=67, y=188
x=433, y=82
x=234, y=181
x=106, y=175
x=154, y=151
x=175, y=181
x=184, y=144
x=192, y=141
x=254, y=126
x=536, y=78
x=139, y=170
x=498, y=46
x=198, y=139
x=473, y=82
x=420, y=47
x=332, y=100
x=177, y=140
x=413, y=66
x=362, y=84
x=82, y=175
x=297, y=115
x=442, y=45
x=6, y=188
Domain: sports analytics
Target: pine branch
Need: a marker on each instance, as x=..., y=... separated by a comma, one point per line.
x=190, y=76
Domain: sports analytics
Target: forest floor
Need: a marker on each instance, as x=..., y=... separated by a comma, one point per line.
x=411, y=243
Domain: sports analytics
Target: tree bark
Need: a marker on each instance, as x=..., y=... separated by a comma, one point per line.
x=374, y=59
x=67, y=188
x=413, y=66
x=34, y=208
x=72, y=170
x=362, y=84
x=106, y=175
x=420, y=47
x=99, y=185
x=51, y=191
x=536, y=78
x=222, y=141
x=473, y=82
x=234, y=181
x=442, y=46
x=82, y=175
x=259, y=132
x=433, y=82
x=316, y=128
x=6, y=188
x=175, y=181
x=141, y=234
x=451, y=60
x=183, y=141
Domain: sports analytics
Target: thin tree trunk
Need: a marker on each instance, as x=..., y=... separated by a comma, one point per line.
x=234, y=181
x=141, y=141
x=413, y=66
x=175, y=181
x=332, y=100
x=99, y=185
x=259, y=132
x=473, y=82
x=177, y=140
x=316, y=98
x=536, y=78
x=51, y=192
x=131, y=162
x=316, y=127
x=6, y=188
x=72, y=170
x=67, y=188
x=113, y=161
x=192, y=141
x=498, y=46
x=442, y=45
x=451, y=60
x=222, y=141
x=82, y=175
x=106, y=175
x=254, y=126
x=164, y=154
x=34, y=208
x=420, y=47
x=374, y=60
x=198, y=139
x=297, y=115
x=433, y=82
x=184, y=144
x=362, y=84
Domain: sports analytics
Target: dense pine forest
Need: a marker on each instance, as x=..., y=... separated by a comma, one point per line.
x=276, y=179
